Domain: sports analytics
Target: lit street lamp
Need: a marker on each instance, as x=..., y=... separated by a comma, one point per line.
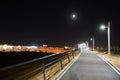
x=108, y=27
x=93, y=42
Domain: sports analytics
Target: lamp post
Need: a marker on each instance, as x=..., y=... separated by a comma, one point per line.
x=93, y=42
x=108, y=27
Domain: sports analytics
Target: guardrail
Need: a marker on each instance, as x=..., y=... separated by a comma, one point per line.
x=46, y=63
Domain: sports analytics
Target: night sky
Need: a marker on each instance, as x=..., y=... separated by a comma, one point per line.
x=49, y=22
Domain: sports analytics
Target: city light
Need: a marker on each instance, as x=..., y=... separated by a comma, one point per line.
x=5, y=46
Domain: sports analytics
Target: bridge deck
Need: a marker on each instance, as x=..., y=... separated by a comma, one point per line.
x=89, y=66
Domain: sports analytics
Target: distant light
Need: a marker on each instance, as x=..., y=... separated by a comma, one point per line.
x=91, y=38
x=33, y=47
x=19, y=47
x=73, y=16
x=5, y=46
x=87, y=48
x=66, y=47
x=102, y=27
x=10, y=47
x=44, y=45
x=83, y=45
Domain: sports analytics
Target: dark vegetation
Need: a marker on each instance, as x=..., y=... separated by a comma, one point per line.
x=11, y=58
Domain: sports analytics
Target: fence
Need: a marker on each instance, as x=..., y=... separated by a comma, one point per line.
x=49, y=66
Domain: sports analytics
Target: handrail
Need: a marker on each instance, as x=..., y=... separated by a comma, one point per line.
x=26, y=62
x=58, y=58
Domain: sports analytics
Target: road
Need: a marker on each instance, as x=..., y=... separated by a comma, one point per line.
x=89, y=66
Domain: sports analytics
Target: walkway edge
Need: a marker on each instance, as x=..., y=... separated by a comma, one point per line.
x=62, y=72
x=117, y=70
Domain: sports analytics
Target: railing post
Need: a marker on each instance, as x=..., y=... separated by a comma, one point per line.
x=73, y=54
x=61, y=66
x=43, y=69
x=68, y=58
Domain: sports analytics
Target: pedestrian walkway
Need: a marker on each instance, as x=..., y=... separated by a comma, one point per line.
x=89, y=66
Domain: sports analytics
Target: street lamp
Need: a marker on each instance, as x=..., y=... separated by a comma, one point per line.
x=93, y=42
x=108, y=27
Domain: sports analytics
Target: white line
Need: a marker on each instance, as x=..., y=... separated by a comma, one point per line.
x=66, y=68
x=111, y=65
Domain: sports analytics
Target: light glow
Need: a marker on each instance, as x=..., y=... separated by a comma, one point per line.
x=102, y=27
x=91, y=39
x=5, y=46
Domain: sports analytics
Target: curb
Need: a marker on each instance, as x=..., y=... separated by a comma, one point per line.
x=115, y=68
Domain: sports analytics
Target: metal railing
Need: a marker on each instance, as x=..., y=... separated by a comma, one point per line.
x=46, y=62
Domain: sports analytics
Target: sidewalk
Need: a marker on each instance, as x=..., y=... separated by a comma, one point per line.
x=89, y=66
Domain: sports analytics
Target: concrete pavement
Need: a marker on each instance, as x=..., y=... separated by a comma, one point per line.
x=89, y=66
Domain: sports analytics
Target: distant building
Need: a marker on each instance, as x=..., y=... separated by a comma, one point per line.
x=44, y=45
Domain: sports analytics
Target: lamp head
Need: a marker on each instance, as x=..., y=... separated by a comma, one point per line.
x=103, y=27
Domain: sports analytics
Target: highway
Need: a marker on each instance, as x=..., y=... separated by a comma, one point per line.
x=89, y=66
